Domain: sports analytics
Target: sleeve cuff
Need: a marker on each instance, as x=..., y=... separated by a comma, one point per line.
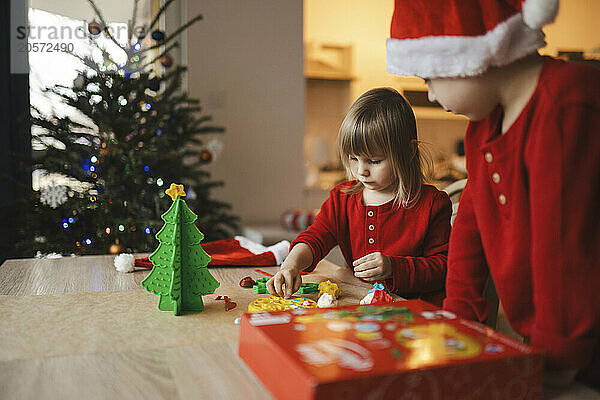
x=399, y=269
x=463, y=310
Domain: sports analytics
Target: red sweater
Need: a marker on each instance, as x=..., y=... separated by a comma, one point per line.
x=415, y=239
x=529, y=213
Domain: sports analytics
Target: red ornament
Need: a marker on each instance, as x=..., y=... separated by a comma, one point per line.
x=166, y=60
x=298, y=220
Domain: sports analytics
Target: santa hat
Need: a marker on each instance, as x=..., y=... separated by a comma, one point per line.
x=239, y=251
x=457, y=38
x=242, y=251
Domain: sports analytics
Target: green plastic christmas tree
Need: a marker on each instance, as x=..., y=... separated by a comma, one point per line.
x=180, y=275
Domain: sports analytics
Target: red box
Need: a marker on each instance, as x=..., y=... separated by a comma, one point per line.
x=403, y=350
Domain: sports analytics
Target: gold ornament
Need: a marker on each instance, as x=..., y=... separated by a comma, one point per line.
x=206, y=156
x=94, y=28
x=116, y=248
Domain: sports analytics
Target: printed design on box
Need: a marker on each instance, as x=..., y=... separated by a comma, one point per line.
x=368, y=331
x=438, y=314
x=362, y=313
x=265, y=318
x=435, y=342
x=493, y=348
x=336, y=351
x=425, y=344
x=404, y=349
x=339, y=326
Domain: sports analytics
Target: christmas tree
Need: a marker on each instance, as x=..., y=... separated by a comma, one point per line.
x=139, y=131
x=180, y=275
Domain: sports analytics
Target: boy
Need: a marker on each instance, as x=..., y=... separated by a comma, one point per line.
x=529, y=213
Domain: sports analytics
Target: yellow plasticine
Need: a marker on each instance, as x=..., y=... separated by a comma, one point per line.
x=329, y=287
x=276, y=303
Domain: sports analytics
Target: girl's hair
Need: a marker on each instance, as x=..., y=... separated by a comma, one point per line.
x=381, y=122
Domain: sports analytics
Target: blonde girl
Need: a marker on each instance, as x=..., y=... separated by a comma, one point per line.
x=391, y=227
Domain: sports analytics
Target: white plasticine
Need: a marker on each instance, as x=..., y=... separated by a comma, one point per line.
x=368, y=298
x=124, y=262
x=454, y=56
x=326, y=300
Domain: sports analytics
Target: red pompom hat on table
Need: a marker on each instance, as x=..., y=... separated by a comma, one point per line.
x=238, y=251
x=458, y=38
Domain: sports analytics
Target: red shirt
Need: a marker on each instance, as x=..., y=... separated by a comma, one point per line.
x=529, y=213
x=415, y=239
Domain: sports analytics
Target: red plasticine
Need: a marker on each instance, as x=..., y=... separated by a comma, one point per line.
x=260, y=271
x=229, y=305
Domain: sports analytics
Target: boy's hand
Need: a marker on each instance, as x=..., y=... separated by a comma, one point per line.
x=373, y=267
x=285, y=282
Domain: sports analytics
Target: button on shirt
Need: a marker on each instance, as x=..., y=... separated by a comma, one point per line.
x=532, y=226
x=414, y=238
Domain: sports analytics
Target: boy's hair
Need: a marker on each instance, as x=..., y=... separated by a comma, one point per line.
x=381, y=122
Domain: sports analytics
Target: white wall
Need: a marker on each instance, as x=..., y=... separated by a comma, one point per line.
x=112, y=10
x=245, y=65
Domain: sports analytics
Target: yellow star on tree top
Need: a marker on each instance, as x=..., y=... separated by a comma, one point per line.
x=175, y=191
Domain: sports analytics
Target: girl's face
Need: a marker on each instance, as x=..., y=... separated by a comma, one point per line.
x=375, y=173
x=466, y=96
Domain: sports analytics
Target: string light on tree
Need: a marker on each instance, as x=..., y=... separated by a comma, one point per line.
x=158, y=35
x=135, y=137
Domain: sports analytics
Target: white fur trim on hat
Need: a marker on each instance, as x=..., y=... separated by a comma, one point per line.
x=253, y=247
x=459, y=56
x=280, y=250
x=537, y=13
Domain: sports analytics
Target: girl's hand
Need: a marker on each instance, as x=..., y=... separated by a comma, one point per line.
x=373, y=267
x=285, y=282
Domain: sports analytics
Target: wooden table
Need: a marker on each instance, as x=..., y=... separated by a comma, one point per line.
x=75, y=328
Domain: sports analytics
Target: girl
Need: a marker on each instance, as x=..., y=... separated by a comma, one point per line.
x=390, y=226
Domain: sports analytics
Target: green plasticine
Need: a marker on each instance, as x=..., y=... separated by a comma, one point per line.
x=180, y=275
x=259, y=288
x=308, y=287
